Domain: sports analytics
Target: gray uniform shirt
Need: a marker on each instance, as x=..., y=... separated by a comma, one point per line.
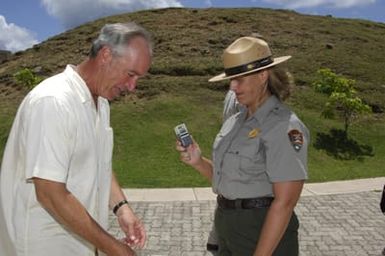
x=249, y=155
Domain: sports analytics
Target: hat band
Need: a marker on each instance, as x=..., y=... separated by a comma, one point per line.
x=249, y=66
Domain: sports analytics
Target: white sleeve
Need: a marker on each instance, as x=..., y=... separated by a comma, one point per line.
x=48, y=140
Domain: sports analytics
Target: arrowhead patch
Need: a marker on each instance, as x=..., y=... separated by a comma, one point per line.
x=296, y=139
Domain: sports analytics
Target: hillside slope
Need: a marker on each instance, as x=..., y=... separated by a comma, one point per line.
x=190, y=42
x=188, y=48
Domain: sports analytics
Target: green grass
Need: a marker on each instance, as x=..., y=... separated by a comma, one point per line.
x=144, y=152
x=7, y=114
x=324, y=166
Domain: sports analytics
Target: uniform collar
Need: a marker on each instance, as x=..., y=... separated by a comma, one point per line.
x=80, y=85
x=263, y=111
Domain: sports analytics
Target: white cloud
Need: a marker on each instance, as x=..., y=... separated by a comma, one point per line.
x=14, y=38
x=293, y=4
x=72, y=13
x=208, y=3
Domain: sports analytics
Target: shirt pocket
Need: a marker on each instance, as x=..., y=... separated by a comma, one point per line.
x=251, y=158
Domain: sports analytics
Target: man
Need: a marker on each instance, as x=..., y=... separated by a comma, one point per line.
x=56, y=181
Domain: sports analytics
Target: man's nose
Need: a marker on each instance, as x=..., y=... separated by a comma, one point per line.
x=131, y=84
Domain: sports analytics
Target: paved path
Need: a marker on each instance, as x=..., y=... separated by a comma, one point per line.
x=337, y=219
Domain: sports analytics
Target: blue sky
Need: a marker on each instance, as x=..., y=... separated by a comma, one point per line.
x=24, y=23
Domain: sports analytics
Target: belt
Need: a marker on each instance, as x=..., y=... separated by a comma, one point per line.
x=246, y=203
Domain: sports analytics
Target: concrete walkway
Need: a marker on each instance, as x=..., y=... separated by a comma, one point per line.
x=337, y=219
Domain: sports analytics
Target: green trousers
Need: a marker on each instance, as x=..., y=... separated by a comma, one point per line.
x=239, y=230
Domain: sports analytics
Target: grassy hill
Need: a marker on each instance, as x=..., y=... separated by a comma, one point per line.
x=188, y=48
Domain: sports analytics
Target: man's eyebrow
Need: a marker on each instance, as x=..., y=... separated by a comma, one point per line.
x=133, y=72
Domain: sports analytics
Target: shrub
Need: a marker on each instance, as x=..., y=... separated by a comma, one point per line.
x=27, y=78
x=342, y=97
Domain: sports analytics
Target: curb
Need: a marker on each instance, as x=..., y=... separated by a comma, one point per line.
x=205, y=193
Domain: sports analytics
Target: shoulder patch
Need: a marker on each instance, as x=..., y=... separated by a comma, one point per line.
x=296, y=139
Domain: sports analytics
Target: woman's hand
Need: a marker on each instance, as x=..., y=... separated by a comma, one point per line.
x=190, y=155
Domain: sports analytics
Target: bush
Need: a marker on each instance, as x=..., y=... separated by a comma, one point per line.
x=342, y=96
x=27, y=78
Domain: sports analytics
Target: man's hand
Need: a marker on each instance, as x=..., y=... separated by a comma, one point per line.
x=132, y=227
x=122, y=250
x=67, y=210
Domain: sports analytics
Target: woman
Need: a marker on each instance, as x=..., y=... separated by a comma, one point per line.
x=259, y=156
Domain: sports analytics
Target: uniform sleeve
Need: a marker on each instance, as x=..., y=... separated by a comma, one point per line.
x=286, y=151
x=48, y=140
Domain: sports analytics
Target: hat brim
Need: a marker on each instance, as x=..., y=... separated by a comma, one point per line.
x=223, y=76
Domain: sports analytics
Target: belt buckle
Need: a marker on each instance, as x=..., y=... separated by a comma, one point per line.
x=238, y=204
x=249, y=203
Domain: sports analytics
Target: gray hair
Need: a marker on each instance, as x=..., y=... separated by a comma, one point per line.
x=117, y=37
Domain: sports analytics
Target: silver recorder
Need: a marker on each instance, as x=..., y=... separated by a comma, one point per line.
x=182, y=134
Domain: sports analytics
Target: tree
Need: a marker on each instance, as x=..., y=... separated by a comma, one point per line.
x=342, y=97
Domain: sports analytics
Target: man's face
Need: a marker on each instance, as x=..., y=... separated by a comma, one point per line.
x=121, y=74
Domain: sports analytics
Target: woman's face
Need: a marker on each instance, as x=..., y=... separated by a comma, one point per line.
x=251, y=90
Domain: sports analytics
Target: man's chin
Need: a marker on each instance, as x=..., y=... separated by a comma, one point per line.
x=117, y=97
x=110, y=97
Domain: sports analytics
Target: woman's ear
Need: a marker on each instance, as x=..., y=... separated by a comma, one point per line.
x=264, y=75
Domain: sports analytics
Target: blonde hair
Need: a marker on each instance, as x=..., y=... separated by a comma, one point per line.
x=280, y=82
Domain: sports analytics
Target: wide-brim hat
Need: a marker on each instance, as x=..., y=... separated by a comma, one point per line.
x=247, y=55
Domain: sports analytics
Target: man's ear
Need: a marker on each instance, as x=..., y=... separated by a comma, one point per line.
x=105, y=55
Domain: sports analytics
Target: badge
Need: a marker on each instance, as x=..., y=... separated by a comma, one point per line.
x=296, y=139
x=254, y=133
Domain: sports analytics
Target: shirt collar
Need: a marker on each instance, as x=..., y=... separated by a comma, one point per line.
x=262, y=112
x=79, y=84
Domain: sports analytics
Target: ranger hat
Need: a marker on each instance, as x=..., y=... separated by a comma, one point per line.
x=246, y=55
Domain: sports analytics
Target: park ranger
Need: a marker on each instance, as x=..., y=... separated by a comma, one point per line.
x=259, y=162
